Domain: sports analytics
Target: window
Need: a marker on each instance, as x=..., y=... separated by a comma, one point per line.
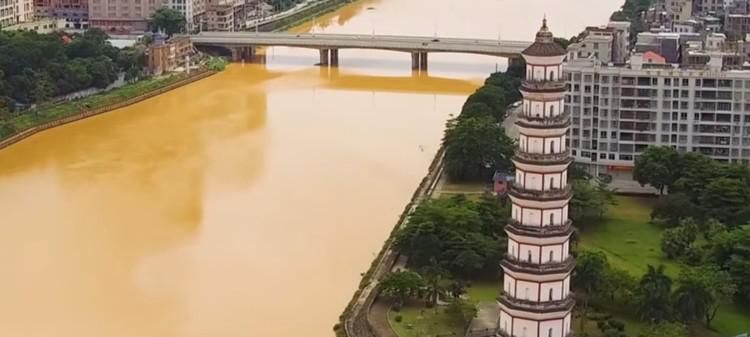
x=550, y=296
x=549, y=332
x=552, y=146
x=551, y=220
x=528, y=258
x=552, y=110
x=551, y=255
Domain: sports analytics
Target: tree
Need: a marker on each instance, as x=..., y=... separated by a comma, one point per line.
x=657, y=166
x=475, y=148
x=590, y=201
x=589, y=277
x=402, y=285
x=671, y=209
x=700, y=291
x=436, y=281
x=619, y=286
x=464, y=237
x=462, y=311
x=612, y=328
x=477, y=110
x=726, y=199
x=676, y=241
x=665, y=329
x=654, y=293
x=168, y=20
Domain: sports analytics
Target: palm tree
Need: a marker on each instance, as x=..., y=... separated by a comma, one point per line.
x=655, y=289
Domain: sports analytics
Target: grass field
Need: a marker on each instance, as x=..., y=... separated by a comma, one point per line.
x=631, y=242
x=424, y=322
x=481, y=292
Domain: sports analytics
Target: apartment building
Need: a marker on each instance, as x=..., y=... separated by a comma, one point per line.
x=617, y=112
x=75, y=13
x=225, y=15
x=676, y=10
x=193, y=10
x=123, y=16
x=705, y=7
x=607, y=43
x=16, y=11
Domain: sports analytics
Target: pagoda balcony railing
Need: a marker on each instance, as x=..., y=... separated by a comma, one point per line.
x=524, y=266
x=553, y=194
x=546, y=158
x=565, y=304
x=516, y=227
x=503, y=333
x=531, y=121
x=543, y=85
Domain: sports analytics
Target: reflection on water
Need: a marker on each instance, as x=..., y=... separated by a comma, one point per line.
x=246, y=204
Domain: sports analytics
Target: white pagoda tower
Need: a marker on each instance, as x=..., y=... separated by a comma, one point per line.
x=536, y=300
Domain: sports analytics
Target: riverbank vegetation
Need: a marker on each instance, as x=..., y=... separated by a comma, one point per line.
x=43, y=113
x=35, y=68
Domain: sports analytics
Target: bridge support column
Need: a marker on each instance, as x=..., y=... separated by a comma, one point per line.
x=423, y=61
x=334, y=57
x=324, y=54
x=415, y=60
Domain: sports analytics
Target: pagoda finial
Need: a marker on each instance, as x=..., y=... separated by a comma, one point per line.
x=544, y=22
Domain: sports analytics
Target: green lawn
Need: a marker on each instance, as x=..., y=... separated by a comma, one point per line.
x=627, y=237
x=50, y=112
x=631, y=242
x=424, y=322
x=481, y=292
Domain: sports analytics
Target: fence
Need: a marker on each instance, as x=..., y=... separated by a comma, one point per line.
x=89, y=113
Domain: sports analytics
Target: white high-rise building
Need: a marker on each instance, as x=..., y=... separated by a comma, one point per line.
x=536, y=300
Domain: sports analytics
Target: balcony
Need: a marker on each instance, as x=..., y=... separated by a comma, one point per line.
x=554, y=122
x=517, y=228
x=544, y=159
x=539, y=86
x=502, y=333
x=547, y=195
x=565, y=266
x=565, y=304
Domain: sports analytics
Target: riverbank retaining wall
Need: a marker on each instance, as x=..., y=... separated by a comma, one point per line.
x=90, y=113
x=355, y=318
x=318, y=9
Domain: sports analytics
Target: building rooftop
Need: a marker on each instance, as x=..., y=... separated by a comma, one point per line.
x=545, y=44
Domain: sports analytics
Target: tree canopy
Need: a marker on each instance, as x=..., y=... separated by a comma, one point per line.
x=475, y=143
x=463, y=237
x=168, y=20
x=36, y=67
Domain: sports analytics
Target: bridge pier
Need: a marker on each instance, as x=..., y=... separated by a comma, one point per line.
x=242, y=53
x=419, y=60
x=334, y=57
x=324, y=57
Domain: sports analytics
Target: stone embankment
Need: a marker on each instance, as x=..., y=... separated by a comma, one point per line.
x=356, y=318
x=90, y=113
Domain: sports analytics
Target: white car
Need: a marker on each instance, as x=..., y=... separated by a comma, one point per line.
x=517, y=104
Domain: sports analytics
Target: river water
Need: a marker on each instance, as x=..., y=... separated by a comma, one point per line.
x=246, y=204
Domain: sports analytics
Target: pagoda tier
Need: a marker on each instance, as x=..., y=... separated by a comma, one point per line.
x=536, y=300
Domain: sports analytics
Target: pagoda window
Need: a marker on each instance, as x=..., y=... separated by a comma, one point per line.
x=552, y=75
x=528, y=256
x=551, y=186
x=551, y=110
x=549, y=332
x=550, y=294
x=551, y=255
x=552, y=147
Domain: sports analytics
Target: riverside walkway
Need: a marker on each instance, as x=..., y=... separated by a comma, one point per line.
x=243, y=44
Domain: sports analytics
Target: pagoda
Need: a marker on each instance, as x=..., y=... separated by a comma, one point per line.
x=536, y=300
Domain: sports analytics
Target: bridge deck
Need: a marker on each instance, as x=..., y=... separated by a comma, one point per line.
x=344, y=41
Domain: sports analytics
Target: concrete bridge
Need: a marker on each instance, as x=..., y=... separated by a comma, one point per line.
x=243, y=44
